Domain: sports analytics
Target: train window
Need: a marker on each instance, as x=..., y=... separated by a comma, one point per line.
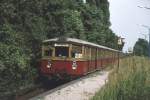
x=93, y=53
x=103, y=53
x=107, y=54
x=87, y=53
x=48, y=52
x=76, y=51
x=99, y=53
x=61, y=51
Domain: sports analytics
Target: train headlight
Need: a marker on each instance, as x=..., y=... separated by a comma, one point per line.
x=49, y=64
x=74, y=65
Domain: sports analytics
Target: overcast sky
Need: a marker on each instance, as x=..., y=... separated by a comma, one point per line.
x=126, y=19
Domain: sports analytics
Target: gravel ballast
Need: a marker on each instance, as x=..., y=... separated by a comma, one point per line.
x=81, y=90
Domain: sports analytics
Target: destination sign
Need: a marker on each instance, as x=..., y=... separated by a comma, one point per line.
x=61, y=45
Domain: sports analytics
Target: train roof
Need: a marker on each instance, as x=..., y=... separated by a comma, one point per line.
x=73, y=40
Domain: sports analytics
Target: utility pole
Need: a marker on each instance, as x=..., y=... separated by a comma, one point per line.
x=120, y=41
x=149, y=38
x=149, y=42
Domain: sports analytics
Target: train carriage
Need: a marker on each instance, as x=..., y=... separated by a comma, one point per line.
x=68, y=58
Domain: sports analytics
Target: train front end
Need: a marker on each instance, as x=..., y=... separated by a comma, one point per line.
x=61, y=60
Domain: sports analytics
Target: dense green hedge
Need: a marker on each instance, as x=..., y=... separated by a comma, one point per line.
x=25, y=23
x=15, y=69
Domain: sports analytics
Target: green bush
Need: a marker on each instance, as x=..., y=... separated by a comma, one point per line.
x=25, y=23
x=15, y=63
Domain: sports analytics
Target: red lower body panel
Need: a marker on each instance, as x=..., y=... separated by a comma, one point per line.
x=62, y=67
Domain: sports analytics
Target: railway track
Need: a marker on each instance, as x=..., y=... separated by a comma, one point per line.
x=51, y=86
x=42, y=95
x=38, y=89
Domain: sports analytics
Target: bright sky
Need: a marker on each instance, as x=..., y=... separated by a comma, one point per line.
x=127, y=20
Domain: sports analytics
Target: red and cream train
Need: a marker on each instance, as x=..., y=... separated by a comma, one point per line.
x=68, y=58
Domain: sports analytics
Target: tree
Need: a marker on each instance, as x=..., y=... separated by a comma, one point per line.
x=141, y=47
x=15, y=68
x=24, y=24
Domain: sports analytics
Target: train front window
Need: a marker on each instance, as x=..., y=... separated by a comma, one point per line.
x=76, y=51
x=62, y=51
x=48, y=52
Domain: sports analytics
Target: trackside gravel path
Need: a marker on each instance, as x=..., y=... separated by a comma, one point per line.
x=81, y=90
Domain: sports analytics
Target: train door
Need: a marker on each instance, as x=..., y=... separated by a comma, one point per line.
x=93, y=59
x=87, y=57
x=99, y=58
x=96, y=59
x=89, y=61
x=102, y=57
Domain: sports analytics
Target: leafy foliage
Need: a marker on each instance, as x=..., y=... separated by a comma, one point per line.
x=141, y=48
x=25, y=23
x=15, y=70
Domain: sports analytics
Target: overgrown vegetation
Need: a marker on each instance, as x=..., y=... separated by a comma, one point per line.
x=25, y=23
x=141, y=47
x=132, y=82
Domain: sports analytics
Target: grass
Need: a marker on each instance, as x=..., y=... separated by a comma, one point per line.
x=130, y=82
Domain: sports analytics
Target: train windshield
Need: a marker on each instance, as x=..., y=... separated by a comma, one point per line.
x=62, y=51
x=48, y=52
x=76, y=51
